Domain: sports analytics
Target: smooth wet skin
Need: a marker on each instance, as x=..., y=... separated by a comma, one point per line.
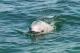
x=41, y=27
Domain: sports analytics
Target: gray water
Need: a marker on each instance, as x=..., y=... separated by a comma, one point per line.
x=19, y=14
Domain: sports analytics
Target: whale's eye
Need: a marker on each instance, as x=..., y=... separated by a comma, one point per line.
x=42, y=31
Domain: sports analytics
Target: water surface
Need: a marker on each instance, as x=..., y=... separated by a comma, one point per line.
x=19, y=14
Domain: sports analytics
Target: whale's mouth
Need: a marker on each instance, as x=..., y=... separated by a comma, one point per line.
x=33, y=33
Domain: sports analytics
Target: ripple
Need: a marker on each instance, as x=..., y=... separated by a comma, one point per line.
x=19, y=14
x=5, y=7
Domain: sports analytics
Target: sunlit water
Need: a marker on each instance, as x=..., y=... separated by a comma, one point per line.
x=19, y=14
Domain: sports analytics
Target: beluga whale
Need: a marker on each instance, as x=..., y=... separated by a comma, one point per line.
x=42, y=26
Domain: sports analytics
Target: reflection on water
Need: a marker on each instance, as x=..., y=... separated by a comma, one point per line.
x=37, y=37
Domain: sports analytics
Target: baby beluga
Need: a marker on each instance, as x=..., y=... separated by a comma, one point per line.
x=41, y=27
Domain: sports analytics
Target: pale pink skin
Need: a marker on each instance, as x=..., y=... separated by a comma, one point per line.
x=40, y=26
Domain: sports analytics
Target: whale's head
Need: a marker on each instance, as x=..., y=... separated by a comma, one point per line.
x=40, y=27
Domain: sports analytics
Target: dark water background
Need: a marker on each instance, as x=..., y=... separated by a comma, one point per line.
x=19, y=14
